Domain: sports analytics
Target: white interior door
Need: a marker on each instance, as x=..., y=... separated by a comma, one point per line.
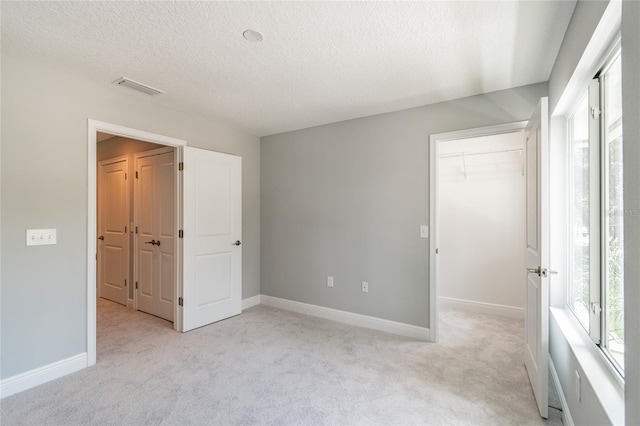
x=212, y=254
x=113, y=240
x=155, y=198
x=537, y=254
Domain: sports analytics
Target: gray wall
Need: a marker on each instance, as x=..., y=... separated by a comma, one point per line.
x=584, y=21
x=44, y=185
x=631, y=137
x=346, y=200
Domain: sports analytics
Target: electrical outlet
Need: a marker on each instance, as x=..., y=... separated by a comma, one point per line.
x=329, y=281
x=424, y=231
x=365, y=287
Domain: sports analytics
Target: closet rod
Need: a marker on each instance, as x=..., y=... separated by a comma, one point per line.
x=467, y=154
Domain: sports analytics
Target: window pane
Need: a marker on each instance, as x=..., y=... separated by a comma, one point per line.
x=579, y=255
x=614, y=216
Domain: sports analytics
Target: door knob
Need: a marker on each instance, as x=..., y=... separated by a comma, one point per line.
x=534, y=270
x=237, y=243
x=101, y=237
x=542, y=272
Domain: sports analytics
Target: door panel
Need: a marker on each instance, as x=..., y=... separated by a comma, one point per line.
x=214, y=268
x=113, y=218
x=145, y=279
x=536, y=255
x=155, y=221
x=212, y=271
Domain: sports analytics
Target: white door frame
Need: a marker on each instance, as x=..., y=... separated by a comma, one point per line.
x=94, y=126
x=434, y=141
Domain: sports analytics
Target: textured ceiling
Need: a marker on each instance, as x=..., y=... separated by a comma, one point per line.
x=319, y=62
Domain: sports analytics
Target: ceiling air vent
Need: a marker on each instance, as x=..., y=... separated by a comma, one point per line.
x=123, y=81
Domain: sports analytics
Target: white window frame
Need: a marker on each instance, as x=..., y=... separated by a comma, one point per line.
x=597, y=213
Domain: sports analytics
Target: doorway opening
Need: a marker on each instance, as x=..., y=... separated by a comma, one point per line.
x=465, y=167
x=206, y=255
x=108, y=130
x=482, y=212
x=136, y=249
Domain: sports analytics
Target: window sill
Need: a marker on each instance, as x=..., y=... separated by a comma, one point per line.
x=605, y=381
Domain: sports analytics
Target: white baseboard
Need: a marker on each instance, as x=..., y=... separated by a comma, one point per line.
x=250, y=302
x=350, y=318
x=567, y=420
x=38, y=376
x=483, y=307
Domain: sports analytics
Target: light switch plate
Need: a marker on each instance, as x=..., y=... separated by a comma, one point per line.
x=424, y=231
x=41, y=237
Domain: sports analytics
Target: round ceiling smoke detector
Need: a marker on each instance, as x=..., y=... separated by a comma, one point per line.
x=252, y=35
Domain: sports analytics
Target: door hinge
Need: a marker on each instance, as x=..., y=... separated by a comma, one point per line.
x=125, y=176
x=136, y=174
x=180, y=233
x=595, y=112
x=136, y=229
x=125, y=229
x=125, y=283
x=181, y=166
x=136, y=285
x=180, y=301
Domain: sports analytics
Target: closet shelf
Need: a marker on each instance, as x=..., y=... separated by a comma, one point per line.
x=465, y=154
x=469, y=154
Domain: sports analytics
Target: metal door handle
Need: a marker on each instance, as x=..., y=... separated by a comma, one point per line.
x=542, y=272
x=534, y=270
x=101, y=237
x=153, y=243
x=237, y=243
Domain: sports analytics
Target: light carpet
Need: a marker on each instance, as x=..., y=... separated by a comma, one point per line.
x=273, y=367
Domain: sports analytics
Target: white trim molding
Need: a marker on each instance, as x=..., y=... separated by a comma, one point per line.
x=250, y=302
x=567, y=420
x=483, y=307
x=398, y=328
x=41, y=375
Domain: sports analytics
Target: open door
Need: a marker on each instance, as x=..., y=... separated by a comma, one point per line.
x=212, y=254
x=537, y=254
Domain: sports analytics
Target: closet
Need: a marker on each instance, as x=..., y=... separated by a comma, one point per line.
x=482, y=213
x=136, y=201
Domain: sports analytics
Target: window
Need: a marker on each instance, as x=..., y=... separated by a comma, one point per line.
x=613, y=224
x=596, y=268
x=579, y=301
